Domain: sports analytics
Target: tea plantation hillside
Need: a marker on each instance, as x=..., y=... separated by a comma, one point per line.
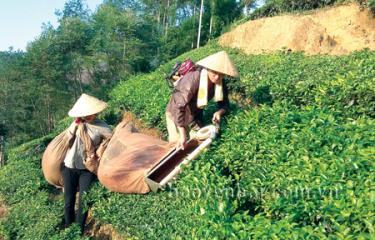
x=294, y=159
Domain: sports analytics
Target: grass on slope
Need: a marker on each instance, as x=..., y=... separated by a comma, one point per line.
x=294, y=161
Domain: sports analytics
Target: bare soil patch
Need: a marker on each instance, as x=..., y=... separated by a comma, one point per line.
x=336, y=31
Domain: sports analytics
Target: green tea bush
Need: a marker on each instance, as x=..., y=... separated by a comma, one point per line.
x=294, y=160
x=35, y=211
x=33, y=218
x=299, y=139
x=189, y=208
x=339, y=83
x=309, y=170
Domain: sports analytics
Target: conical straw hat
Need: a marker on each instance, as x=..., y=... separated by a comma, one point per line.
x=87, y=105
x=219, y=62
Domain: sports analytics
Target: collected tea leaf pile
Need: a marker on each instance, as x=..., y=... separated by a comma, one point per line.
x=294, y=159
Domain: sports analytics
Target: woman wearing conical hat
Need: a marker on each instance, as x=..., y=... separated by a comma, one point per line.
x=193, y=91
x=87, y=132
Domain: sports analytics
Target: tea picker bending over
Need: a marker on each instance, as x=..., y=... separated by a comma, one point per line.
x=193, y=91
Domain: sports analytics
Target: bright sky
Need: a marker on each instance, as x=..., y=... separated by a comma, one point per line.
x=21, y=20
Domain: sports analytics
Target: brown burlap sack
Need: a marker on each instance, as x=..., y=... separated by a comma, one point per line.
x=53, y=157
x=127, y=159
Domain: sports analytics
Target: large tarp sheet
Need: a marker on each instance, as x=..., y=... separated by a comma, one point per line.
x=128, y=158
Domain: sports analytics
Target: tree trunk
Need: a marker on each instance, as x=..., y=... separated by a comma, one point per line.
x=124, y=51
x=166, y=21
x=192, y=42
x=200, y=24
x=79, y=79
x=159, y=14
x=49, y=115
x=51, y=122
x=164, y=18
x=72, y=78
x=211, y=20
x=2, y=159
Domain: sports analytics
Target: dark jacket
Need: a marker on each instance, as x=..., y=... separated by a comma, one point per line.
x=183, y=102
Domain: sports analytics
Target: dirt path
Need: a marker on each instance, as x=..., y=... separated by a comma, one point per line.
x=3, y=213
x=140, y=125
x=336, y=31
x=98, y=231
x=3, y=209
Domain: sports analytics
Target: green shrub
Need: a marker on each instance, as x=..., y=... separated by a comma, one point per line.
x=276, y=7
x=316, y=105
x=35, y=209
x=188, y=209
x=372, y=6
x=71, y=233
x=34, y=218
x=294, y=162
x=303, y=168
x=342, y=84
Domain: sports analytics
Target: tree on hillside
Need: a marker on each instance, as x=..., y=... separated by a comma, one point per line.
x=91, y=52
x=47, y=74
x=123, y=41
x=246, y=5
x=56, y=61
x=222, y=13
x=75, y=9
x=17, y=109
